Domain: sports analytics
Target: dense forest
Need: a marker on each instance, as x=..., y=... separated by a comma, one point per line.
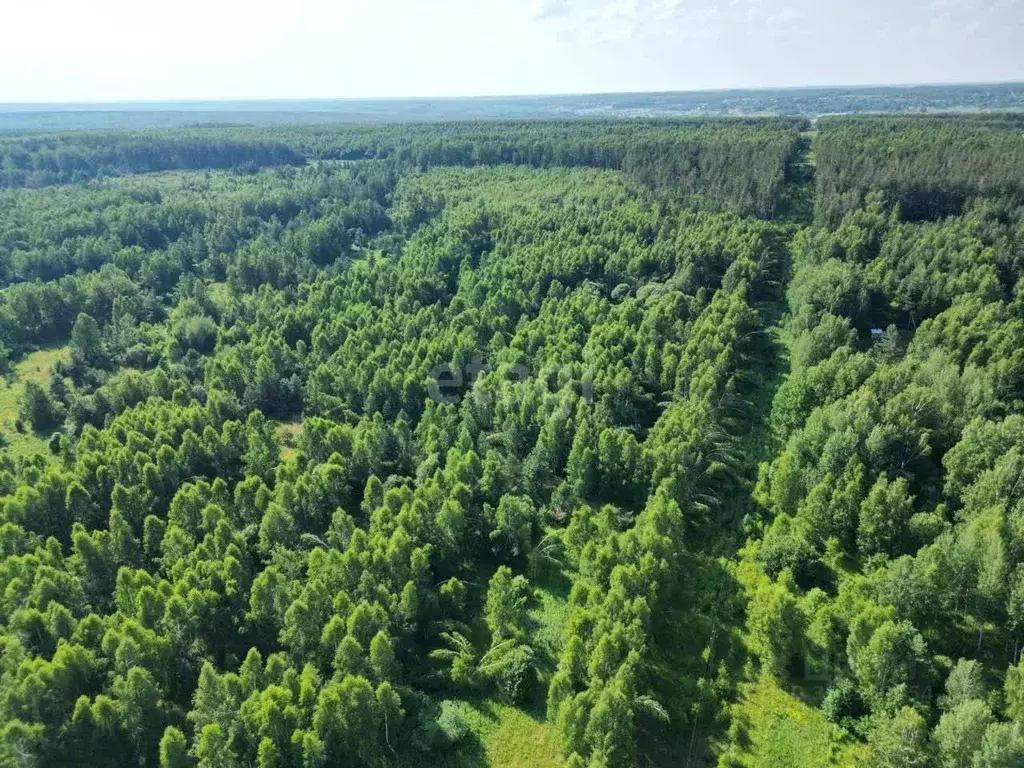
x=931, y=166
x=593, y=443
x=739, y=165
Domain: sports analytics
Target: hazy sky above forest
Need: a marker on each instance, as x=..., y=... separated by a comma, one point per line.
x=68, y=50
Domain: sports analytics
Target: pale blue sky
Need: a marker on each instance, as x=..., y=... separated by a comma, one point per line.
x=85, y=50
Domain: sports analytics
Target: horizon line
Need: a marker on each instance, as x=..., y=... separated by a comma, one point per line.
x=512, y=96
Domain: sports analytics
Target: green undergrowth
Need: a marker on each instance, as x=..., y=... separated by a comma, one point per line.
x=36, y=366
x=498, y=736
x=289, y=433
x=772, y=728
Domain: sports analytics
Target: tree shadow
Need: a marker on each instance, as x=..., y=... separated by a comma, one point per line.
x=468, y=753
x=697, y=657
x=471, y=753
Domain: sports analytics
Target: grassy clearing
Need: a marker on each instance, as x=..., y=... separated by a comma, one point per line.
x=774, y=729
x=499, y=736
x=37, y=367
x=548, y=613
x=517, y=739
x=288, y=433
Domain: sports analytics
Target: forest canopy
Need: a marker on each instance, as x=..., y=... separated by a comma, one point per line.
x=736, y=165
x=568, y=443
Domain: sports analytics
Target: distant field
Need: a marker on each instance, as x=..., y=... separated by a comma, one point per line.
x=37, y=367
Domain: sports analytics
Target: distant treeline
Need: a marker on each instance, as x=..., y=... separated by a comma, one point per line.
x=37, y=161
x=730, y=165
x=733, y=165
x=931, y=165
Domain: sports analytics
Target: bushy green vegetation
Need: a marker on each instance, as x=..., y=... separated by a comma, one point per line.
x=508, y=444
x=19, y=434
x=889, y=561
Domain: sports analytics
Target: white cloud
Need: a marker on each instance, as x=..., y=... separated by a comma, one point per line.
x=549, y=9
x=123, y=49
